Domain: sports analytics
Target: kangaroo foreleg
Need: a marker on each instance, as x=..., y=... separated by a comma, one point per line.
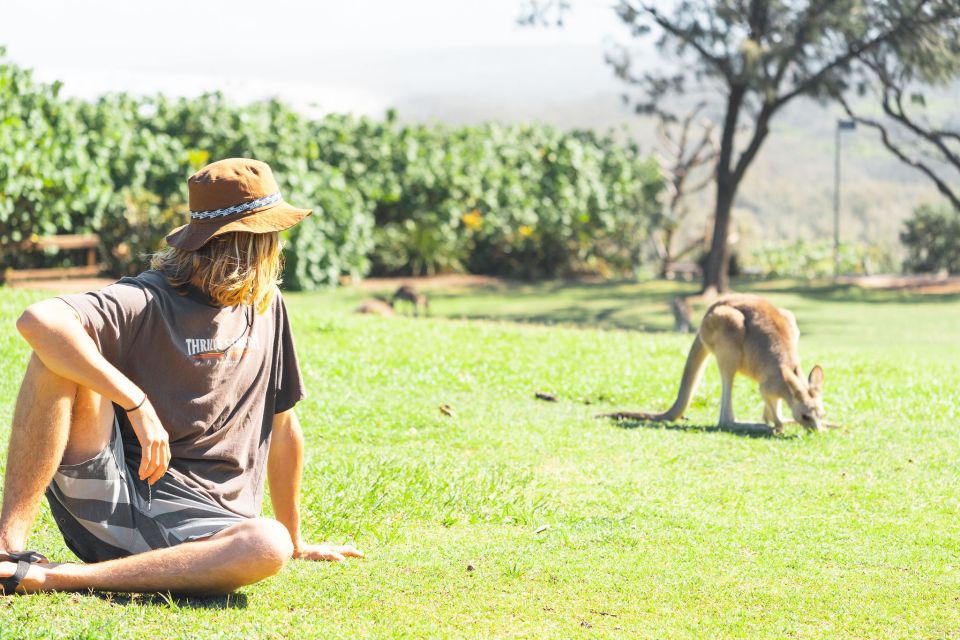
x=771, y=414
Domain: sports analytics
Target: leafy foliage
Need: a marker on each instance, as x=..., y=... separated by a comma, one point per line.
x=932, y=239
x=336, y=240
x=815, y=259
x=49, y=182
x=394, y=198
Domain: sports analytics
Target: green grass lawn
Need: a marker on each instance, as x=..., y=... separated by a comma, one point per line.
x=659, y=532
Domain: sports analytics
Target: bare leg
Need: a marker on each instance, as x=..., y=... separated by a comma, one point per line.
x=53, y=420
x=239, y=555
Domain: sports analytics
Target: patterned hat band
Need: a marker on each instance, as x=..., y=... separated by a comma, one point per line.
x=237, y=208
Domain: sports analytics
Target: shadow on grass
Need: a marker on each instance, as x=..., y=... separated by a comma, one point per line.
x=746, y=430
x=175, y=601
x=572, y=316
x=611, y=304
x=843, y=292
x=641, y=306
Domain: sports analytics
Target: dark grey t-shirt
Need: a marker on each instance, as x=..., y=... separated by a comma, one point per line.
x=215, y=375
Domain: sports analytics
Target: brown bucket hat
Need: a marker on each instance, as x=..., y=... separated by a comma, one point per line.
x=236, y=194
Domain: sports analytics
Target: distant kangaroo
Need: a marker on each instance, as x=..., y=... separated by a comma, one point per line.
x=749, y=335
x=409, y=293
x=375, y=306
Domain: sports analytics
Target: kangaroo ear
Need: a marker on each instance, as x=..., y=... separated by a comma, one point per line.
x=793, y=382
x=816, y=379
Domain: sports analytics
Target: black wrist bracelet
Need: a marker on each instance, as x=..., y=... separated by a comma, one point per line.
x=138, y=406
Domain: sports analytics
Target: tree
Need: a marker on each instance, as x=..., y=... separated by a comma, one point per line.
x=918, y=136
x=751, y=58
x=689, y=147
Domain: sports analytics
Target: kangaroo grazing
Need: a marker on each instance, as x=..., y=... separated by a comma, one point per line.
x=749, y=335
x=409, y=293
x=375, y=306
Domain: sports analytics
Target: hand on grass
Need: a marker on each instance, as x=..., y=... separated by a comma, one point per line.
x=154, y=442
x=332, y=553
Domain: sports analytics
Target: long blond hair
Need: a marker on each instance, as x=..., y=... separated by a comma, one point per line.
x=233, y=268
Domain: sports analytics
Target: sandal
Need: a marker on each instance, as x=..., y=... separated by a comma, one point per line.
x=23, y=559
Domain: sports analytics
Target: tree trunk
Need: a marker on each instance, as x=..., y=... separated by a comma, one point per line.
x=716, y=272
x=666, y=256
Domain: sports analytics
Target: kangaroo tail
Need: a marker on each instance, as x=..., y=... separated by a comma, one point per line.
x=688, y=384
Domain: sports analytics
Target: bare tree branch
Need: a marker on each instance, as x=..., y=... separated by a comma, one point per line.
x=686, y=36
x=691, y=147
x=898, y=151
x=900, y=115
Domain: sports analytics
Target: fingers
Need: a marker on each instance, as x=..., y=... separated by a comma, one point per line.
x=145, y=467
x=323, y=552
x=154, y=461
x=161, y=468
x=149, y=460
x=162, y=461
x=330, y=553
x=154, y=445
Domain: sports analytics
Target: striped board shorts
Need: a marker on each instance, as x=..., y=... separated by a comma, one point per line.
x=105, y=511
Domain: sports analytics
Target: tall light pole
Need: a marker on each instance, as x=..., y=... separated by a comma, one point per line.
x=842, y=125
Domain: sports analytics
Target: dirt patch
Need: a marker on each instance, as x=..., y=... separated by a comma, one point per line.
x=68, y=285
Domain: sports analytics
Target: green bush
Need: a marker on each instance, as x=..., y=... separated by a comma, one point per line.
x=335, y=240
x=815, y=259
x=49, y=181
x=513, y=200
x=932, y=239
x=516, y=200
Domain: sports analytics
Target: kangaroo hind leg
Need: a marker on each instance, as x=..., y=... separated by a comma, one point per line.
x=724, y=332
x=728, y=371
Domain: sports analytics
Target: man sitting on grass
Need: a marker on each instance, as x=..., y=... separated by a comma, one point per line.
x=150, y=410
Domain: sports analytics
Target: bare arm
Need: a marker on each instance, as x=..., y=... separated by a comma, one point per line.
x=59, y=339
x=284, y=470
x=56, y=335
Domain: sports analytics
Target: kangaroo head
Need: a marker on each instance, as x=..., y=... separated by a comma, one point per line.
x=806, y=397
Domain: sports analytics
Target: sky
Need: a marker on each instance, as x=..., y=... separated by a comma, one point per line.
x=358, y=55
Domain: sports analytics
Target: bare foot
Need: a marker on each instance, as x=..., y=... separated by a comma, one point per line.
x=35, y=578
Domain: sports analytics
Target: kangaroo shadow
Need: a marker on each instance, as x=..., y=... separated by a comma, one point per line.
x=743, y=429
x=175, y=601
